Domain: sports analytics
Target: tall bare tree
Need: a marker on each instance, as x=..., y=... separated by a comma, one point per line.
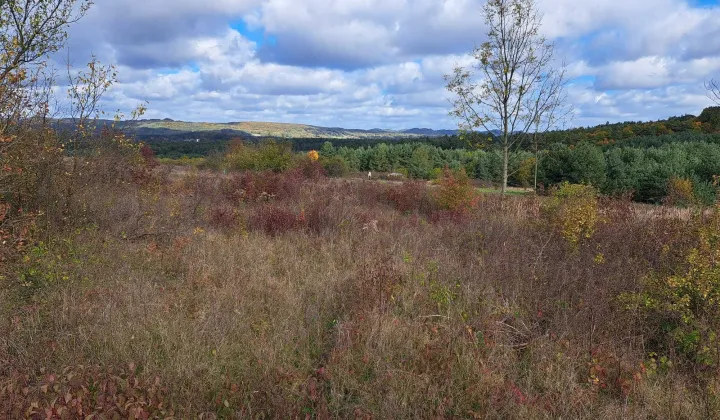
x=518, y=88
x=713, y=87
x=550, y=109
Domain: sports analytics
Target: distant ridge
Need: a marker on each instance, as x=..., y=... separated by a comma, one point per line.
x=430, y=132
x=172, y=128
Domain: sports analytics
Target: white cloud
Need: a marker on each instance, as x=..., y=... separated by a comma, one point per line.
x=380, y=63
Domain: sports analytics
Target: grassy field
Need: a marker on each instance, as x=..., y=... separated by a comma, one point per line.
x=283, y=296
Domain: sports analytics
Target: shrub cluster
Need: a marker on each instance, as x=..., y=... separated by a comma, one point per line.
x=572, y=209
x=682, y=308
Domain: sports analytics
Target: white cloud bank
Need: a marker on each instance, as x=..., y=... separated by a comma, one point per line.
x=379, y=63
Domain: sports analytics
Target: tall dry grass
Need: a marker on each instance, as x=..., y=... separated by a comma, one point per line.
x=276, y=296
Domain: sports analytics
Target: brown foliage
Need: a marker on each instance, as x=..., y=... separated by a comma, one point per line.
x=338, y=299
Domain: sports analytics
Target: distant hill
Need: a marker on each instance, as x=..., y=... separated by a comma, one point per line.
x=682, y=127
x=428, y=132
x=179, y=129
x=605, y=134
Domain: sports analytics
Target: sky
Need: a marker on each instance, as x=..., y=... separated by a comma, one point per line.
x=380, y=63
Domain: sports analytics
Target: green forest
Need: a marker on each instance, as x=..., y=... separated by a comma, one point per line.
x=631, y=158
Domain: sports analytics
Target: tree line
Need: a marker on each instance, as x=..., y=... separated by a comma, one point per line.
x=644, y=172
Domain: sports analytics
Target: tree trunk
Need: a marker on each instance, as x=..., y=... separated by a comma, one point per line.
x=506, y=147
x=506, y=156
x=537, y=160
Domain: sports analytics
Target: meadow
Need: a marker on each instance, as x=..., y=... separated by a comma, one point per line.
x=152, y=293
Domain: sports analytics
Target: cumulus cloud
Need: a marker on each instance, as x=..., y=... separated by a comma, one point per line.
x=352, y=34
x=380, y=63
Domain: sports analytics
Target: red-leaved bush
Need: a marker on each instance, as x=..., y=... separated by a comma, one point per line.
x=411, y=196
x=275, y=220
x=309, y=168
x=223, y=216
x=455, y=192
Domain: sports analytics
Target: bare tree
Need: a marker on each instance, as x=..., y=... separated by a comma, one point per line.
x=518, y=89
x=85, y=90
x=713, y=87
x=30, y=30
x=550, y=108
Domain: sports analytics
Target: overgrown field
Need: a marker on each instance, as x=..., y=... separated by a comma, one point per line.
x=292, y=295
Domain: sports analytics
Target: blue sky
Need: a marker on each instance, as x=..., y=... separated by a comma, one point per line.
x=380, y=63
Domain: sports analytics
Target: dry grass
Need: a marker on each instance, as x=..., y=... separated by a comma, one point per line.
x=344, y=307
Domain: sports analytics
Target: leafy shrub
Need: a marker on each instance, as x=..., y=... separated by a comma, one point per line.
x=572, y=209
x=525, y=172
x=335, y=166
x=680, y=192
x=684, y=307
x=455, y=192
x=268, y=155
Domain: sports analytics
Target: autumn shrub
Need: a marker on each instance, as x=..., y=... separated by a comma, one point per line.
x=309, y=167
x=32, y=161
x=224, y=216
x=411, y=196
x=274, y=219
x=246, y=186
x=33, y=180
x=611, y=375
x=682, y=308
x=324, y=213
x=455, y=192
x=525, y=172
x=572, y=210
x=680, y=192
